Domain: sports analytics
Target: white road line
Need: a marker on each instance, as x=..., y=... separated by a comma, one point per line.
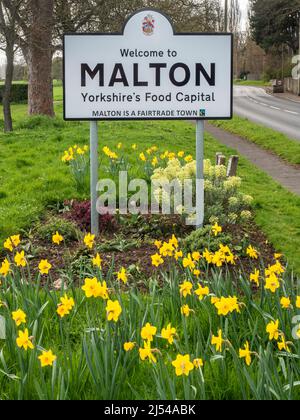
x=273, y=107
x=291, y=112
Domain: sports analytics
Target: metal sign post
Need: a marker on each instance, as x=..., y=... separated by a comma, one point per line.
x=199, y=173
x=94, y=176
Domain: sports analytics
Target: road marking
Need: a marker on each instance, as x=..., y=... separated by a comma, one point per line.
x=291, y=112
x=273, y=107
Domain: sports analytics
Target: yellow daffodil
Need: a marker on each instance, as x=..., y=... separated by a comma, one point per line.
x=113, y=310
x=62, y=310
x=189, y=158
x=174, y=242
x=273, y=330
x=198, y=363
x=183, y=365
x=143, y=157
x=134, y=147
x=254, y=277
x=245, y=353
x=188, y=262
x=156, y=260
x=178, y=254
x=197, y=273
x=285, y=302
x=147, y=352
x=298, y=302
x=214, y=300
x=186, y=310
x=129, y=346
x=226, y=305
x=15, y=240
x=44, y=267
x=168, y=333
x=166, y=249
x=89, y=240
x=57, y=238
x=252, y=252
x=119, y=146
x=19, y=317
x=216, y=229
x=148, y=332
x=5, y=268
x=180, y=154
x=154, y=162
x=208, y=256
x=202, y=292
x=158, y=244
x=277, y=256
x=20, y=259
x=94, y=288
x=283, y=345
x=24, y=340
x=47, y=358
x=122, y=276
x=67, y=302
x=8, y=245
x=196, y=256
x=272, y=283
x=185, y=288
x=218, y=341
x=97, y=261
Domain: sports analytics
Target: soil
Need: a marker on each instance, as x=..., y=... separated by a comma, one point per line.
x=130, y=244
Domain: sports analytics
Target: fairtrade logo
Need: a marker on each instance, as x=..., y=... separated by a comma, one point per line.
x=148, y=25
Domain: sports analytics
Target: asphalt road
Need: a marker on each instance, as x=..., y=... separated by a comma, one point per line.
x=279, y=114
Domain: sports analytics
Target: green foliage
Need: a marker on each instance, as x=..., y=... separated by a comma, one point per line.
x=204, y=239
x=46, y=229
x=19, y=93
x=91, y=361
x=275, y=22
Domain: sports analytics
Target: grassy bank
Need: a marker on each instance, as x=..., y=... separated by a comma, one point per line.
x=278, y=143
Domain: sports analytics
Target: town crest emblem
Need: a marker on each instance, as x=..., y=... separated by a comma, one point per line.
x=148, y=25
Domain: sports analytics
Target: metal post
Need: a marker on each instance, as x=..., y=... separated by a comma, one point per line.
x=94, y=176
x=199, y=173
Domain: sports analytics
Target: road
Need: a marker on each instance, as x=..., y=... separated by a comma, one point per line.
x=279, y=114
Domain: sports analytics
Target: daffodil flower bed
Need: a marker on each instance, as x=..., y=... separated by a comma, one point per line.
x=199, y=335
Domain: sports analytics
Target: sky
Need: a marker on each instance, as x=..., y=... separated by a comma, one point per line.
x=244, y=9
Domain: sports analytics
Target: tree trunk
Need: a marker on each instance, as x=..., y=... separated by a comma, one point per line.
x=39, y=59
x=8, y=126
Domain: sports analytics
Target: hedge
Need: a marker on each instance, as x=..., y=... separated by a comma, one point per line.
x=19, y=92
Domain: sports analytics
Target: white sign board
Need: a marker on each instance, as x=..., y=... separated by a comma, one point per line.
x=148, y=72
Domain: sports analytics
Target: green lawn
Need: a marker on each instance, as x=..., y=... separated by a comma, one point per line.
x=251, y=82
x=33, y=176
x=278, y=143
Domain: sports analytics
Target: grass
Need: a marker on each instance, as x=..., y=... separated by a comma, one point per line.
x=33, y=177
x=251, y=82
x=278, y=143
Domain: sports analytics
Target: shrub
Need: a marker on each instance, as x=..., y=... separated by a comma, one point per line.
x=66, y=228
x=19, y=93
x=223, y=200
x=203, y=238
x=80, y=213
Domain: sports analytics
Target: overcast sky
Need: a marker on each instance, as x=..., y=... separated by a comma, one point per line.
x=243, y=5
x=244, y=8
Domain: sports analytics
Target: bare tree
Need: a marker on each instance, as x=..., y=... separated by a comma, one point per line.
x=8, y=15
